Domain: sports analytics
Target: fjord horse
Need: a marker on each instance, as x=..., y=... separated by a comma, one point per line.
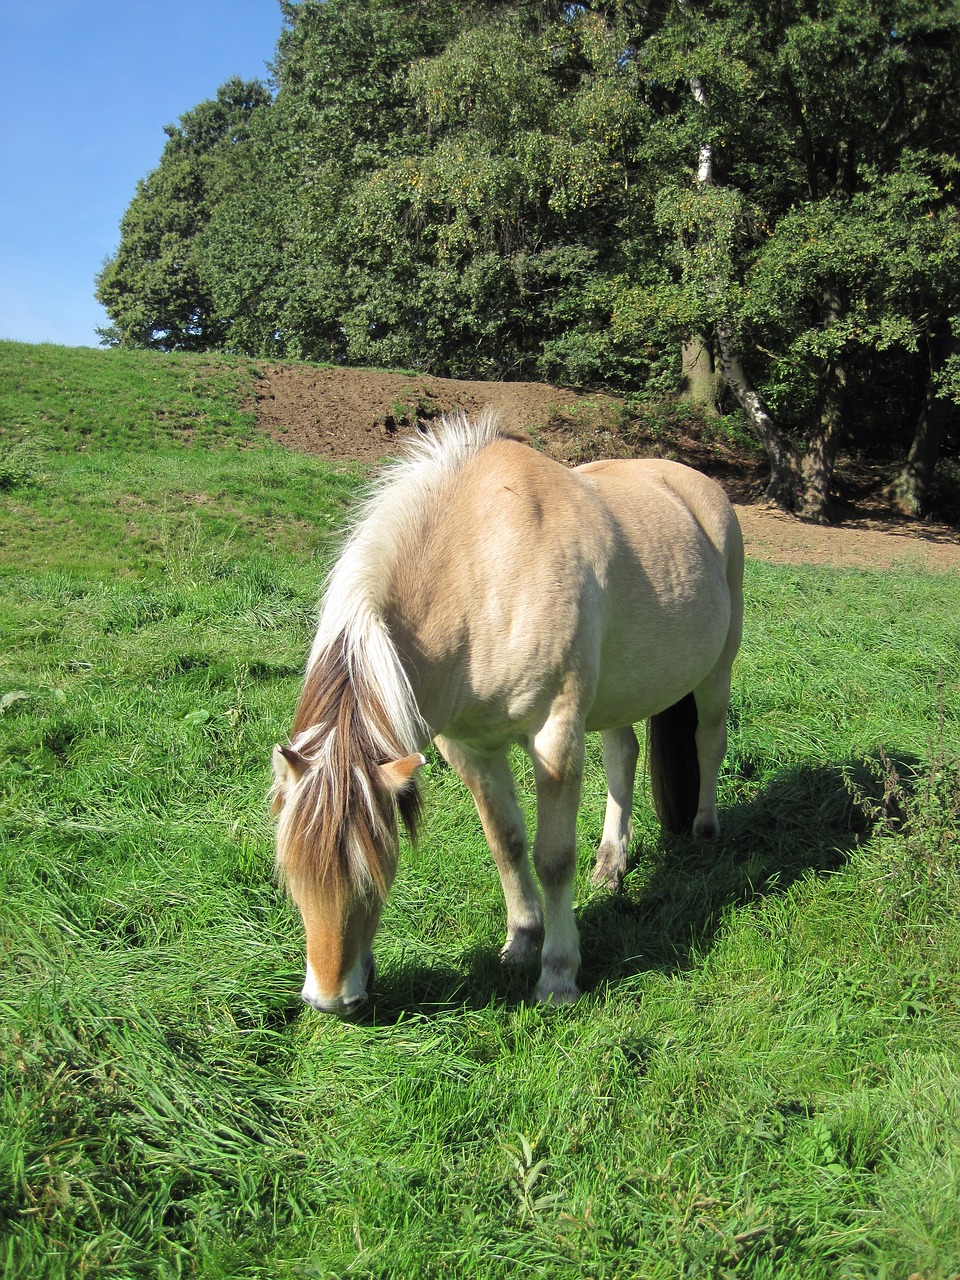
x=486, y=596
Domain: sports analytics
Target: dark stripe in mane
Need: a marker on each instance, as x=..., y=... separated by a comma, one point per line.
x=339, y=823
x=506, y=431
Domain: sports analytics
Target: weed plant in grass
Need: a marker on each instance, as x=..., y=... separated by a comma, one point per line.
x=761, y=1079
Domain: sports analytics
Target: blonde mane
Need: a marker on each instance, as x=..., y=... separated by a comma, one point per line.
x=391, y=516
x=357, y=709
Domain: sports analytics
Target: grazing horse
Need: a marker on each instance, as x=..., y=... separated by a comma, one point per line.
x=488, y=595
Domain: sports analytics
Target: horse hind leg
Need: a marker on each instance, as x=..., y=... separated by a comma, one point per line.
x=620, y=753
x=712, y=699
x=490, y=781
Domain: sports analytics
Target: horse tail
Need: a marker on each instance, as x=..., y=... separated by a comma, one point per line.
x=674, y=767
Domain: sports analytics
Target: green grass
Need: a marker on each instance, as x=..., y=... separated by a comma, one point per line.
x=762, y=1078
x=78, y=400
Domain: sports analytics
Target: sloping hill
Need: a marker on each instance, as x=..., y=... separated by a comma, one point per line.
x=363, y=415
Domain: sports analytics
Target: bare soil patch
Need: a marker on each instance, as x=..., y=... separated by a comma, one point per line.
x=362, y=416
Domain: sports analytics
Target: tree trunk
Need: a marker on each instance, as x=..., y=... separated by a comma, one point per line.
x=909, y=492
x=821, y=451
x=701, y=381
x=784, y=483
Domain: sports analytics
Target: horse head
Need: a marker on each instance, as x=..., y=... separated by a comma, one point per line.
x=337, y=851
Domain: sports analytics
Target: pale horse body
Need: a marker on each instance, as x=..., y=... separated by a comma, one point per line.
x=486, y=596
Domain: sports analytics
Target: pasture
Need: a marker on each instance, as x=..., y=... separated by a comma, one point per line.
x=762, y=1077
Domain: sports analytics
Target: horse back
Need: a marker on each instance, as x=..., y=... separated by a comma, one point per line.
x=652, y=496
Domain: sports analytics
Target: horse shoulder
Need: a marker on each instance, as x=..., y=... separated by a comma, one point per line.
x=493, y=601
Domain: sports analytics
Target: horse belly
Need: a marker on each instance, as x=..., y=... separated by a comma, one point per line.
x=654, y=653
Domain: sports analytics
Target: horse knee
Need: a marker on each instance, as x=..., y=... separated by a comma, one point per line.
x=510, y=851
x=554, y=867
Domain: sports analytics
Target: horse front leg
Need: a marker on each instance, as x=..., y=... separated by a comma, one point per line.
x=557, y=752
x=490, y=781
x=620, y=753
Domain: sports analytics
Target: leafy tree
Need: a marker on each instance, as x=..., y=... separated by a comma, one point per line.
x=265, y=254
x=732, y=193
x=153, y=287
x=805, y=116
x=283, y=252
x=521, y=207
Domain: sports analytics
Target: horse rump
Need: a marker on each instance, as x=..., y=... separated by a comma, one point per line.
x=674, y=767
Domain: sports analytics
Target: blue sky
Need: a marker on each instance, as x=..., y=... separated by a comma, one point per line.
x=86, y=87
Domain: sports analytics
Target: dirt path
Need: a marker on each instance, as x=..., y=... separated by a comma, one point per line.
x=867, y=543
x=362, y=415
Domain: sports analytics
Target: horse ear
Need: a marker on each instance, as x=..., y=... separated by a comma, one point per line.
x=398, y=774
x=289, y=766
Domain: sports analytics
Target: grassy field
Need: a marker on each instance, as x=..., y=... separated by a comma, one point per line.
x=762, y=1078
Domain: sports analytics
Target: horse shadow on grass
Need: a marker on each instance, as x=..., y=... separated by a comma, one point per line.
x=807, y=820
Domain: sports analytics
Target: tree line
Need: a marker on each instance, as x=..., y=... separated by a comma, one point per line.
x=738, y=200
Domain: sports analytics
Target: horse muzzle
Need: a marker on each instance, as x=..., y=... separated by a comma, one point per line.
x=351, y=996
x=343, y=1007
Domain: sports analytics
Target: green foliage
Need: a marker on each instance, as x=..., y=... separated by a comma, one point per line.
x=893, y=252
x=153, y=287
x=833, y=177
x=511, y=190
x=762, y=1078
